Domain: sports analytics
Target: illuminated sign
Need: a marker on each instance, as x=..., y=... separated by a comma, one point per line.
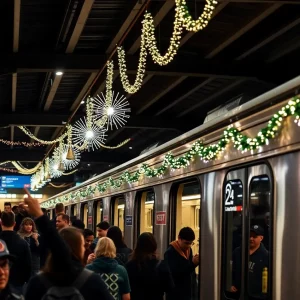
x=15, y=182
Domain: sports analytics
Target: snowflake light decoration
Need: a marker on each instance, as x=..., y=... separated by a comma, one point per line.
x=90, y=135
x=54, y=168
x=61, y=153
x=116, y=111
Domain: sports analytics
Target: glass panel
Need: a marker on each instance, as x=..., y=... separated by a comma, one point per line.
x=146, y=213
x=85, y=214
x=119, y=217
x=259, y=244
x=233, y=206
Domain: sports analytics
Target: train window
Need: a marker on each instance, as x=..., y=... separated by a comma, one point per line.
x=145, y=207
x=233, y=206
x=119, y=209
x=84, y=214
x=98, y=212
x=259, y=243
x=73, y=210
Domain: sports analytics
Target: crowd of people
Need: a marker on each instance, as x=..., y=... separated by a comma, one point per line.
x=61, y=259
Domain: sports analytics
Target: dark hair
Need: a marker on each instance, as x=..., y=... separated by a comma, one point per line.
x=15, y=209
x=186, y=233
x=115, y=233
x=64, y=217
x=7, y=204
x=145, y=248
x=44, y=210
x=78, y=224
x=87, y=232
x=8, y=219
x=59, y=208
x=103, y=225
x=73, y=239
x=26, y=221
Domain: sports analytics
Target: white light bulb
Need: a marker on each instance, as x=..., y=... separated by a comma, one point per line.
x=59, y=73
x=89, y=134
x=110, y=111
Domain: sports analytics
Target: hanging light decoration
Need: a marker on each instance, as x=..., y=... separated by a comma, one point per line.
x=55, y=172
x=68, y=155
x=116, y=113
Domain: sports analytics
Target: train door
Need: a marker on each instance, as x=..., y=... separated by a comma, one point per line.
x=186, y=207
x=247, y=234
x=118, y=209
x=98, y=212
x=84, y=213
x=144, y=210
x=73, y=212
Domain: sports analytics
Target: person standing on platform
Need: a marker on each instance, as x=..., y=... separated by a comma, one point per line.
x=59, y=209
x=62, y=221
x=102, y=228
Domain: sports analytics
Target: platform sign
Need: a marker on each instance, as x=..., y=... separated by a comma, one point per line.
x=14, y=181
x=160, y=218
x=128, y=221
x=90, y=220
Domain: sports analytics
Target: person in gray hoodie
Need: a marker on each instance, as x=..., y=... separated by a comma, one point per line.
x=114, y=275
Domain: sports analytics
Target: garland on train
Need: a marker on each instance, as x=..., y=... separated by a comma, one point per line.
x=206, y=153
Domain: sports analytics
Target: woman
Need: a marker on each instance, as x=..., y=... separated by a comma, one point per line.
x=148, y=277
x=115, y=233
x=114, y=275
x=29, y=233
x=64, y=268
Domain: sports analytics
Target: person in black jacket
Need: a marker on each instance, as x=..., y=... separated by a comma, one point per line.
x=6, y=291
x=149, y=278
x=20, y=271
x=123, y=252
x=66, y=261
x=182, y=263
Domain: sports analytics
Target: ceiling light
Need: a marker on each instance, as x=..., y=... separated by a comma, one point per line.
x=59, y=73
x=82, y=102
x=88, y=165
x=130, y=148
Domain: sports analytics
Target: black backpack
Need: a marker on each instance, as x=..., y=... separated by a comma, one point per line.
x=71, y=292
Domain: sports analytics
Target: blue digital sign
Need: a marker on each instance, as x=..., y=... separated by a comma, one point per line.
x=15, y=182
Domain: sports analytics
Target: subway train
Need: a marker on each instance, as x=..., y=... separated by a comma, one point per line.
x=218, y=181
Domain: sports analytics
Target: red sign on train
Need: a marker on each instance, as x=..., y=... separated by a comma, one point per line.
x=160, y=218
x=90, y=220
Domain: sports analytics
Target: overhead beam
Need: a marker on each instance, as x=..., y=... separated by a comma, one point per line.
x=12, y=132
x=244, y=29
x=14, y=92
x=161, y=94
x=83, y=16
x=52, y=92
x=185, y=95
x=167, y=6
x=269, y=39
x=102, y=86
x=17, y=10
x=204, y=101
x=134, y=12
x=83, y=91
x=36, y=132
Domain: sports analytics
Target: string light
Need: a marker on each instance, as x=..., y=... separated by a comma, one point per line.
x=195, y=25
x=205, y=153
x=116, y=112
x=19, y=143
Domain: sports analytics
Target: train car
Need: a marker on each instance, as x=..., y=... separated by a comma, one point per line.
x=220, y=179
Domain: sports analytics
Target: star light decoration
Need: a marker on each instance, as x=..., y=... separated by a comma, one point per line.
x=116, y=113
x=54, y=168
x=62, y=152
x=88, y=136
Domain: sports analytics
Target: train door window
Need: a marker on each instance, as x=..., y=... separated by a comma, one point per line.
x=188, y=211
x=73, y=210
x=233, y=229
x=259, y=243
x=118, y=213
x=145, y=206
x=98, y=212
x=84, y=214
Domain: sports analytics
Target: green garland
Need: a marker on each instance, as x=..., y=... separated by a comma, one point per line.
x=205, y=153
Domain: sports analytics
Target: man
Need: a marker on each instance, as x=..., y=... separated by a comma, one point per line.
x=88, y=238
x=62, y=221
x=7, y=207
x=22, y=214
x=102, y=228
x=258, y=261
x=6, y=291
x=59, y=209
x=21, y=269
x=182, y=264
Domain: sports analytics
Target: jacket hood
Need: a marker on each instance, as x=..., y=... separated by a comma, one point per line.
x=106, y=264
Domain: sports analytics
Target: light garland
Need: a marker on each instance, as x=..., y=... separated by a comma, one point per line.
x=149, y=31
x=195, y=25
x=32, y=136
x=131, y=89
x=23, y=170
x=115, y=112
x=18, y=143
x=8, y=170
x=206, y=153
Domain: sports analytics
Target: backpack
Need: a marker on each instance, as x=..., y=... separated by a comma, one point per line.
x=71, y=292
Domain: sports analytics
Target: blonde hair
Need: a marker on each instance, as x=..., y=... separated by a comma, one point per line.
x=105, y=247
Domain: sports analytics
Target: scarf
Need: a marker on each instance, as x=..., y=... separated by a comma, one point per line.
x=185, y=254
x=25, y=235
